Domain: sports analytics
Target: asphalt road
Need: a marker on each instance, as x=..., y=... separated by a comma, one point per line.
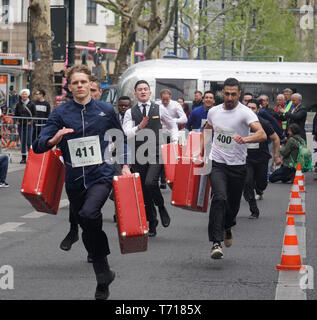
x=176, y=266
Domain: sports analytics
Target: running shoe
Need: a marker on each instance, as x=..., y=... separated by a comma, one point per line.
x=216, y=251
x=4, y=185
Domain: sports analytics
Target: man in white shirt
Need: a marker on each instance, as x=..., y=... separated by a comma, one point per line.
x=176, y=112
x=230, y=123
x=142, y=122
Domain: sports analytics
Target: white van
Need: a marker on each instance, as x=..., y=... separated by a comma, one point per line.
x=183, y=77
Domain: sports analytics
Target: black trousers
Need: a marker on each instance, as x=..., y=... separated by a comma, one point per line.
x=150, y=174
x=85, y=206
x=283, y=173
x=227, y=183
x=256, y=180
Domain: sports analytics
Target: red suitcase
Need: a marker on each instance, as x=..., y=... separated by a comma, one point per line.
x=43, y=180
x=190, y=190
x=170, y=154
x=131, y=217
x=192, y=145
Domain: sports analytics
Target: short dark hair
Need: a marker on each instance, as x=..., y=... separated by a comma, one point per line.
x=42, y=92
x=209, y=91
x=181, y=99
x=124, y=98
x=294, y=127
x=248, y=94
x=197, y=91
x=232, y=82
x=255, y=101
x=140, y=82
x=94, y=79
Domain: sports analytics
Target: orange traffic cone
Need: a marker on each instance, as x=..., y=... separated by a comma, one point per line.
x=299, y=173
x=295, y=186
x=295, y=205
x=291, y=259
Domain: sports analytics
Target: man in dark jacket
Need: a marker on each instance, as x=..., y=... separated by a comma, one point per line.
x=298, y=114
x=24, y=110
x=42, y=110
x=79, y=127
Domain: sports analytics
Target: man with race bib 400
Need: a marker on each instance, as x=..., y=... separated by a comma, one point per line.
x=230, y=123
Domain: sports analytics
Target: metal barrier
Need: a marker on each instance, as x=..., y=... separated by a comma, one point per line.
x=18, y=132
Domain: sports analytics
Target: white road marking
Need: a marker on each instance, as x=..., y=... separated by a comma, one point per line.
x=35, y=214
x=10, y=226
x=289, y=286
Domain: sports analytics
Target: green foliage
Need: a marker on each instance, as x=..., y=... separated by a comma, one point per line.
x=261, y=28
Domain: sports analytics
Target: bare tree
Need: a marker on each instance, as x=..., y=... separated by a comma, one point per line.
x=129, y=11
x=158, y=24
x=154, y=22
x=40, y=29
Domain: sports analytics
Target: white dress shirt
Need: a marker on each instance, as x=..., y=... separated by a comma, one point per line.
x=131, y=130
x=176, y=111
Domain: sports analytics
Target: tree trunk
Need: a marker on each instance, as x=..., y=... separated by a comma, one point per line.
x=40, y=28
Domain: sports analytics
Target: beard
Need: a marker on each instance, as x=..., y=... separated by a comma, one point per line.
x=230, y=105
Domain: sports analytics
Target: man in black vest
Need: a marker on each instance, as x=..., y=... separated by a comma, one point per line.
x=148, y=115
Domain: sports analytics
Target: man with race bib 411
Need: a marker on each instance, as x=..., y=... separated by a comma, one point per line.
x=230, y=123
x=79, y=128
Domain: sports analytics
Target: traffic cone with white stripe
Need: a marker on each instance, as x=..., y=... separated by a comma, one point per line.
x=295, y=186
x=299, y=174
x=291, y=259
x=295, y=206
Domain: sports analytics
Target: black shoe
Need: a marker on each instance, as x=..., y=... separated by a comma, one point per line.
x=254, y=213
x=163, y=186
x=23, y=161
x=165, y=218
x=89, y=259
x=71, y=238
x=152, y=228
x=102, y=290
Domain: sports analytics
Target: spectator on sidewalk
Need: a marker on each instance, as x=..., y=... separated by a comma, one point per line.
x=42, y=110
x=4, y=162
x=25, y=110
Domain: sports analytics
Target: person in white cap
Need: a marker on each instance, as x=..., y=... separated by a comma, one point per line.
x=25, y=110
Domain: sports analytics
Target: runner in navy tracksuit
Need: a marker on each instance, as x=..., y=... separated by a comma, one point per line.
x=88, y=177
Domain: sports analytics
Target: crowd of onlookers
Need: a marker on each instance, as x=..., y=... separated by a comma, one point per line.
x=287, y=110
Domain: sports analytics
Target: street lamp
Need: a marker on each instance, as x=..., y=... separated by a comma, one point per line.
x=253, y=27
x=176, y=29
x=71, y=33
x=223, y=27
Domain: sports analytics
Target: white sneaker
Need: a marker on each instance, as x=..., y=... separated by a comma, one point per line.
x=216, y=251
x=4, y=185
x=259, y=197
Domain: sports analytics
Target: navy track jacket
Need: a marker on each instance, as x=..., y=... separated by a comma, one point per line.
x=95, y=118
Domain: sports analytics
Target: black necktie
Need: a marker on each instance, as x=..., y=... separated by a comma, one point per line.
x=144, y=109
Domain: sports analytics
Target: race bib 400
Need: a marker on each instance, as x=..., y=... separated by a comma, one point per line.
x=223, y=138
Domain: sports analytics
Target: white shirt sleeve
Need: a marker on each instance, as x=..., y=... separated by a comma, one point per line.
x=182, y=119
x=169, y=122
x=128, y=125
